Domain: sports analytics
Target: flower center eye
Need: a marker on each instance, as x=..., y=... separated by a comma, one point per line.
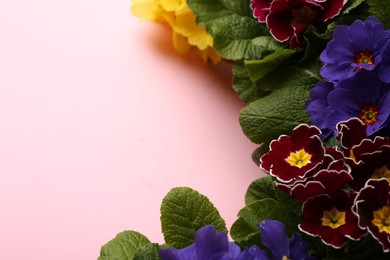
x=369, y=114
x=382, y=219
x=303, y=15
x=299, y=158
x=333, y=218
x=366, y=57
x=382, y=172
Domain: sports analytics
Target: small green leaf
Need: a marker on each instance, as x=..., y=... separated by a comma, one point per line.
x=237, y=37
x=278, y=113
x=183, y=212
x=148, y=252
x=124, y=246
x=245, y=230
x=207, y=11
x=262, y=188
x=243, y=85
x=259, y=68
x=381, y=10
x=350, y=5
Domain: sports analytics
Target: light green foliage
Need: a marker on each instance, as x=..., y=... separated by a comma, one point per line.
x=183, y=212
x=124, y=246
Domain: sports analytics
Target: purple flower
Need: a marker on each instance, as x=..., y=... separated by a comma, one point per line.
x=209, y=244
x=274, y=237
x=317, y=104
x=354, y=48
x=364, y=96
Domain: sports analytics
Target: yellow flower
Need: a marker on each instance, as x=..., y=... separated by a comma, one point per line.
x=187, y=36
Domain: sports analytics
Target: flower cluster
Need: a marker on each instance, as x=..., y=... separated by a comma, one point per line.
x=187, y=36
x=211, y=244
x=356, y=69
x=344, y=189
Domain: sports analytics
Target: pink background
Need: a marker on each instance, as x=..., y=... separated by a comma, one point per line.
x=99, y=120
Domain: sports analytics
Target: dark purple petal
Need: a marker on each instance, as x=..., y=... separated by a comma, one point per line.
x=273, y=235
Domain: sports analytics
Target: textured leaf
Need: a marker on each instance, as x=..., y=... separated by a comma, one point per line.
x=207, y=11
x=259, y=68
x=124, y=246
x=237, y=37
x=148, y=252
x=262, y=188
x=381, y=10
x=278, y=113
x=243, y=85
x=184, y=211
x=245, y=230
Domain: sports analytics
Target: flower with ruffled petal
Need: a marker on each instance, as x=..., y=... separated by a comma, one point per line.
x=328, y=180
x=187, y=35
x=364, y=96
x=293, y=157
x=372, y=205
x=331, y=218
x=209, y=244
x=287, y=19
x=352, y=49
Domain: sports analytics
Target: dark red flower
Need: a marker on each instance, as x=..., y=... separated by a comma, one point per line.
x=372, y=205
x=287, y=19
x=325, y=181
x=294, y=157
x=331, y=218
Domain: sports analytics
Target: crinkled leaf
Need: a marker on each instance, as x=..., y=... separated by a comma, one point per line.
x=381, y=10
x=207, y=11
x=243, y=85
x=148, y=252
x=124, y=246
x=184, y=211
x=245, y=230
x=259, y=68
x=278, y=113
x=262, y=188
x=265, y=188
x=237, y=37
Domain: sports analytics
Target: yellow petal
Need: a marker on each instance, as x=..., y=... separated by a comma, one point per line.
x=180, y=44
x=171, y=5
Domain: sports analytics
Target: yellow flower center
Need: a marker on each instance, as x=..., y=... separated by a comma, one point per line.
x=333, y=218
x=382, y=172
x=299, y=158
x=285, y=258
x=369, y=114
x=366, y=57
x=382, y=219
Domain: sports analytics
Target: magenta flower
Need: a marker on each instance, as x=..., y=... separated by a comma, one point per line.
x=287, y=19
x=331, y=218
x=294, y=157
x=372, y=205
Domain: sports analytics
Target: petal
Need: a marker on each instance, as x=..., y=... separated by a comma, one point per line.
x=273, y=235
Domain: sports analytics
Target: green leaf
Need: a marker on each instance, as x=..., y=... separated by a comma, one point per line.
x=381, y=10
x=260, y=151
x=278, y=113
x=184, y=211
x=259, y=68
x=245, y=230
x=207, y=11
x=351, y=5
x=262, y=188
x=243, y=85
x=265, y=188
x=124, y=246
x=236, y=37
x=148, y=252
